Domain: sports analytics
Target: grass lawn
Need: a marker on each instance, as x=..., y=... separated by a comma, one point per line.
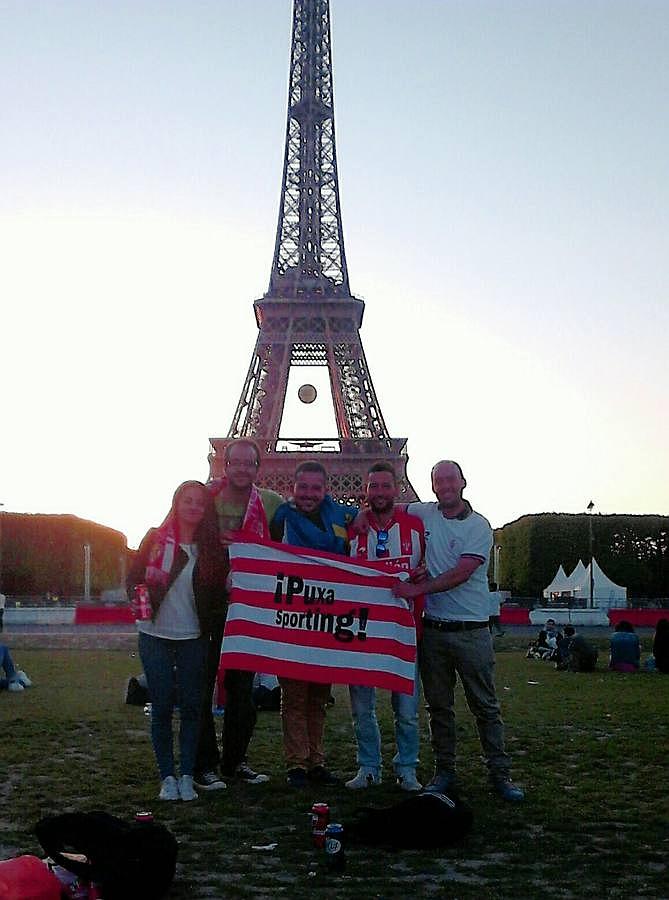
x=591, y=752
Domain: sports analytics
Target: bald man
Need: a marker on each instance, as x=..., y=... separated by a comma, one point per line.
x=456, y=640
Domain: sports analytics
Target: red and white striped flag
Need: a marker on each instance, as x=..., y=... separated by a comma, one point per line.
x=315, y=616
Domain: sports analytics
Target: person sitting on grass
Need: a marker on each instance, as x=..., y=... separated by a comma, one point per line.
x=546, y=644
x=581, y=655
x=15, y=680
x=661, y=646
x=563, y=647
x=179, y=564
x=625, y=653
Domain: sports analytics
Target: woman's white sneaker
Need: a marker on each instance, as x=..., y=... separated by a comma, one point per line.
x=186, y=789
x=169, y=789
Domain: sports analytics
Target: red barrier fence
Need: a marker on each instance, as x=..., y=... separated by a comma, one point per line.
x=103, y=615
x=515, y=615
x=645, y=618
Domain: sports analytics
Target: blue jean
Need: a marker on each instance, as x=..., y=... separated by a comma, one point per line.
x=160, y=657
x=7, y=665
x=368, y=736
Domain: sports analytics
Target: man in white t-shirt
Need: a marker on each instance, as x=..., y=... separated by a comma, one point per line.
x=456, y=640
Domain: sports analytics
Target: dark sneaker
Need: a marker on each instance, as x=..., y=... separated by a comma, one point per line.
x=209, y=781
x=507, y=790
x=320, y=775
x=441, y=783
x=247, y=775
x=297, y=778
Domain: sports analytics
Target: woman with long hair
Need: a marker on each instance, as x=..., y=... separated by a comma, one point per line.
x=179, y=572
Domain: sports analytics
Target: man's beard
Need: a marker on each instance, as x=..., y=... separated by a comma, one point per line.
x=387, y=507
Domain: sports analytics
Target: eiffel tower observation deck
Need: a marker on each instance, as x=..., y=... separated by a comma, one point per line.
x=309, y=319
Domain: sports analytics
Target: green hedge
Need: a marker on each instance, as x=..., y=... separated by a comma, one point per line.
x=632, y=550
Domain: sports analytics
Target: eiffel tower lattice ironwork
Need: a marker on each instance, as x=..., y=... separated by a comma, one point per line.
x=308, y=317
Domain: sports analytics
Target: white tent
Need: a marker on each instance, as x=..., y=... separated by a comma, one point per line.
x=605, y=593
x=557, y=584
x=576, y=576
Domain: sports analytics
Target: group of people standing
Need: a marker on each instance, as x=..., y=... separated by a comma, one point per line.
x=444, y=546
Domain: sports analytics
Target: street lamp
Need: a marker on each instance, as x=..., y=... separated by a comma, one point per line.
x=87, y=573
x=590, y=508
x=495, y=565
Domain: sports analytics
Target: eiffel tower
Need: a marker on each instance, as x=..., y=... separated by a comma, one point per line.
x=308, y=317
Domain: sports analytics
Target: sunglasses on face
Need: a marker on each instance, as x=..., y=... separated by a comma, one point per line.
x=382, y=543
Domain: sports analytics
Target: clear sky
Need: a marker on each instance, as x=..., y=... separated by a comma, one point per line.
x=505, y=196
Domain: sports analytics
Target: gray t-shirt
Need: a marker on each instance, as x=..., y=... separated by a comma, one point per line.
x=446, y=540
x=177, y=617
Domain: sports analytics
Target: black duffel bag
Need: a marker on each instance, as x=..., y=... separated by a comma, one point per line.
x=420, y=822
x=129, y=860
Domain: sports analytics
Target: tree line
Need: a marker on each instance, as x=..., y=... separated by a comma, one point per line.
x=632, y=550
x=43, y=553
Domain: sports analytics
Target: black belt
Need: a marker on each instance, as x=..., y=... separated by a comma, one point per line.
x=453, y=626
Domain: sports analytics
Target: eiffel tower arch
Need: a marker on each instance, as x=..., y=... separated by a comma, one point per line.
x=308, y=317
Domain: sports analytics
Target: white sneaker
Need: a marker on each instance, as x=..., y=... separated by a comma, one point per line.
x=186, y=789
x=209, y=781
x=363, y=779
x=15, y=686
x=169, y=789
x=408, y=781
x=23, y=678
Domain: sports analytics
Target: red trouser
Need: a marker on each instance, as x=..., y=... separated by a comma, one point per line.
x=303, y=721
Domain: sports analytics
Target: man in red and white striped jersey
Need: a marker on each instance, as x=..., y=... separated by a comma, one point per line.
x=395, y=539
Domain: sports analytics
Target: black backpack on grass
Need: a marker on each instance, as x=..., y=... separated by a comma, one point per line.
x=136, y=691
x=420, y=822
x=130, y=861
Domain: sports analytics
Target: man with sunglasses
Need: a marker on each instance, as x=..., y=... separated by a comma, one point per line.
x=457, y=641
x=395, y=538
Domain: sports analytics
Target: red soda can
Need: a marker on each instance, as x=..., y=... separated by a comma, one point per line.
x=320, y=816
x=141, y=603
x=144, y=817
